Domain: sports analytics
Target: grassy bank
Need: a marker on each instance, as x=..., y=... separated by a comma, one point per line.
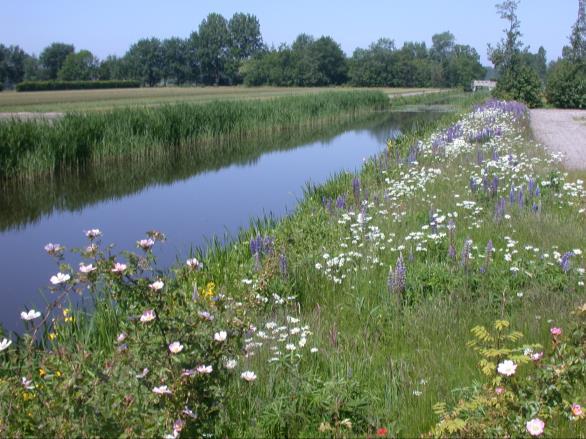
x=349, y=318
x=105, y=100
x=34, y=147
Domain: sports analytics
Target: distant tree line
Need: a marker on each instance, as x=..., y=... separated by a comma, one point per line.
x=231, y=51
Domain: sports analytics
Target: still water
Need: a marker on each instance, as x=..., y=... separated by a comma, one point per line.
x=191, y=202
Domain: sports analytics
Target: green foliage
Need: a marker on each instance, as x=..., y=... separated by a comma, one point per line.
x=566, y=85
x=520, y=83
x=145, y=61
x=446, y=64
x=548, y=389
x=75, y=85
x=80, y=66
x=53, y=57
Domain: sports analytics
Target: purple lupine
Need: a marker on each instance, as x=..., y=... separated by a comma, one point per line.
x=565, y=261
x=341, y=202
x=531, y=186
x=452, y=252
x=485, y=184
x=521, y=198
x=537, y=191
x=479, y=157
x=500, y=208
x=495, y=155
x=356, y=190
x=535, y=207
x=473, y=185
x=466, y=253
x=399, y=276
x=495, y=184
x=283, y=265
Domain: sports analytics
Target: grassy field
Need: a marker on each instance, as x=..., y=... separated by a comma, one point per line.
x=350, y=318
x=88, y=100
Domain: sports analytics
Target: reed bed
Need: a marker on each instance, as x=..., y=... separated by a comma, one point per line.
x=32, y=148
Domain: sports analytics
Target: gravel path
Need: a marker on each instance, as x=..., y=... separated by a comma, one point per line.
x=563, y=131
x=31, y=116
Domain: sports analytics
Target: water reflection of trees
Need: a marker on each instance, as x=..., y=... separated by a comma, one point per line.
x=25, y=203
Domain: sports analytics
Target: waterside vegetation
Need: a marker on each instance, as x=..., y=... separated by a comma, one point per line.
x=32, y=148
x=349, y=318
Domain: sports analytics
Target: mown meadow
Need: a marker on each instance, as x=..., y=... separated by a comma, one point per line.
x=438, y=292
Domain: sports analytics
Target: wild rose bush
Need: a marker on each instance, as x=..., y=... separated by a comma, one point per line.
x=172, y=351
x=532, y=391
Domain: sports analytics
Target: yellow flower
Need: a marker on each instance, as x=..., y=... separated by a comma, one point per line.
x=209, y=290
x=27, y=396
x=42, y=372
x=52, y=336
x=58, y=373
x=66, y=312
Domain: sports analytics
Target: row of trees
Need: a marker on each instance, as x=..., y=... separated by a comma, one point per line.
x=310, y=61
x=232, y=51
x=211, y=55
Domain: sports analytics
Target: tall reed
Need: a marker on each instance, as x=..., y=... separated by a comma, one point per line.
x=32, y=148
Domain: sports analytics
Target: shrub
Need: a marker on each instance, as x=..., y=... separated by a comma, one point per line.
x=530, y=385
x=520, y=83
x=566, y=85
x=74, y=85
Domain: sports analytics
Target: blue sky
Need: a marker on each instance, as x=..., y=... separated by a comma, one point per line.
x=109, y=27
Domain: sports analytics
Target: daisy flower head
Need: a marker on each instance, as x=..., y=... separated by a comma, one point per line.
x=248, y=375
x=220, y=336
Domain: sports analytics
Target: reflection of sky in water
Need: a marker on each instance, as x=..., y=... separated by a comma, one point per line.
x=190, y=212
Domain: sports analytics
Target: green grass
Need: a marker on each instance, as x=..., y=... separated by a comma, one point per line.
x=101, y=100
x=380, y=363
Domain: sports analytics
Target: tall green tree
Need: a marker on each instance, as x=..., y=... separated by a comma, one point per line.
x=53, y=57
x=576, y=51
x=213, y=44
x=506, y=53
x=175, y=60
x=12, y=65
x=80, y=66
x=145, y=61
x=518, y=80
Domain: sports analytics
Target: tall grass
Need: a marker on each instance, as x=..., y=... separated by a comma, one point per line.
x=32, y=148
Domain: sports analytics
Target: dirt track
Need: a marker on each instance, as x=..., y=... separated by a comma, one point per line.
x=563, y=131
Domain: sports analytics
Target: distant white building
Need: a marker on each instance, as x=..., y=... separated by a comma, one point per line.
x=483, y=85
